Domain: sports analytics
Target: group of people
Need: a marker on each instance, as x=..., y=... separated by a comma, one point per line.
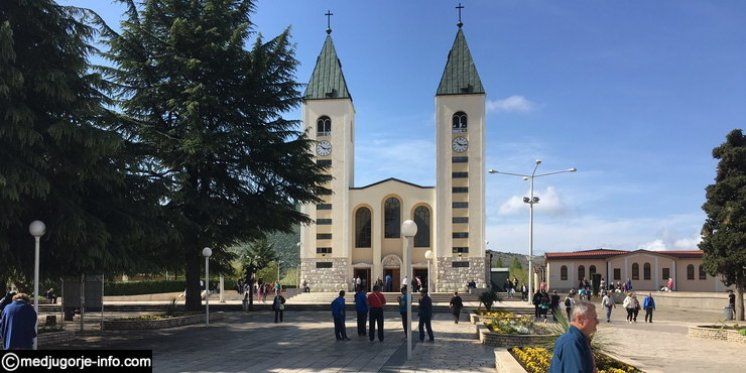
x=543, y=302
x=511, y=287
x=631, y=305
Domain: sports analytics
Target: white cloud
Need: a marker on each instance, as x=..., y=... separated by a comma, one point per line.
x=512, y=104
x=688, y=243
x=549, y=203
x=655, y=245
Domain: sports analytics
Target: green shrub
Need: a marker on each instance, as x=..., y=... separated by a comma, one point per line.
x=742, y=332
x=488, y=298
x=144, y=287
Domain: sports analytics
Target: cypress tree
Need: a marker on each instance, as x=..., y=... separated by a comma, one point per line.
x=62, y=159
x=209, y=110
x=724, y=231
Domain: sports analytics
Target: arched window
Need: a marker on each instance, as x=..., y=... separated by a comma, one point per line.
x=362, y=227
x=635, y=271
x=323, y=126
x=563, y=273
x=591, y=271
x=460, y=122
x=646, y=271
x=690, y=272
x=581, y=273
x=702, y=273
x=392, y=218
x=422, y=219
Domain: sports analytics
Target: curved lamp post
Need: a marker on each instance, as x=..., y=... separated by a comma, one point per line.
x=429, y=258
x=531, y=200
x=37, y=228
x=408, y=230
x=207, y=253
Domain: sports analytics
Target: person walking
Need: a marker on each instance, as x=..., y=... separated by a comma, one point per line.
x=732, y=304
x=572, y=351
x=425, y=314
x=536, y=301
x=608, y=303
x=278, y=305
x=338, y=313
x=555, y=304
x=524, y=292
x=648, y=304
x=636, y=309
x=569, y=302
x=361, y=307
x=456, y=305
x=18, y=324
x=376, y=301
x=544, y=304
x=388, y=282
x=403, y=308
x=629, y=305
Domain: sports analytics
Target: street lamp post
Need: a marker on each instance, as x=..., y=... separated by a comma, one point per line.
x=207, y=252
x=408, y=230
x=531, y=200
x=37, y=229
x=429, y=258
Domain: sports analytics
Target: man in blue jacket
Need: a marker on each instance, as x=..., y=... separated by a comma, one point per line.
x=338, y=313
x=18, y=324
x=572, y=351
x=648, y=304
x=361, y=306
x=426, y=314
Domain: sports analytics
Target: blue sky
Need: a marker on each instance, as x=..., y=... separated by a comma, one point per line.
x=635, y=94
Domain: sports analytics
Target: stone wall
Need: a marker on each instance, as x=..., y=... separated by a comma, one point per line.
x=325, y=279
x=728, y=335
x=171, y=322
x=490, y=338
x=450, y=278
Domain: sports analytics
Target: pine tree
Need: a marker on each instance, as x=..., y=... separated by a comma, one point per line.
x=210, y=112
x=724, y=231
x=61, y=159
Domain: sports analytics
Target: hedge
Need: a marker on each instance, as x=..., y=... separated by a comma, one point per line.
x=161, y=286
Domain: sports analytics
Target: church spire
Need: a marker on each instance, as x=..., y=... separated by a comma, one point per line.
x=327, y=80
x=460, y=76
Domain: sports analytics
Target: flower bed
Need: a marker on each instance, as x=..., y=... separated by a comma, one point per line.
x=506, y=329
x=150, y=322
x=725, y=333
x=538, y=359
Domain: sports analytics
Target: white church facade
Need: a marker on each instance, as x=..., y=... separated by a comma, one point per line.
x=356, y=229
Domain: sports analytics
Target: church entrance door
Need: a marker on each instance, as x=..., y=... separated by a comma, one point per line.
x=422, y=274
x=396, y=281
x=364, y=274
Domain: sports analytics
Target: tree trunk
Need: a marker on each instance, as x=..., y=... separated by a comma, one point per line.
x=739, y=303
x=192, y=274
x=251, y=289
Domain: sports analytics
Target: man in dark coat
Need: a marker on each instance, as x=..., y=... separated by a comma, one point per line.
x=425, y=314
x=456, y=305
x=18, y=324
x=338, y=313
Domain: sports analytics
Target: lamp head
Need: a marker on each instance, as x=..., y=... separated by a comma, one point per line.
x=573, y=169
x=428, y=254
x=492, y=171
x=525, y=178
x=408, y=228
x=536, y=199
x=525, y=200
x=37, y=228
x=538, y=161
x=207, y=252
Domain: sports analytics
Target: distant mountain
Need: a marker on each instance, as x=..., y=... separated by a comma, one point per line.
x=507, y=259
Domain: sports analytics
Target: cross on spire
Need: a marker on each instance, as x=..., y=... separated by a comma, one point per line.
x=328, y=15
x=459, y=7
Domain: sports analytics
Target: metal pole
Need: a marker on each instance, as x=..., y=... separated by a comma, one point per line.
x=102, y=304
x=207, y=290
x=429, y=275
x=408, y=269
x=82, y=300
x=531, y=240
x=222, y=289
x=36, y=289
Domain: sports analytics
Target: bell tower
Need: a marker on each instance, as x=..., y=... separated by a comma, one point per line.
x=460, y=132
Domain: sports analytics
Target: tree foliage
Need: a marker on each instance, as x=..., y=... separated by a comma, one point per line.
x=62, y=158
x=210, y=112
x=724, y=230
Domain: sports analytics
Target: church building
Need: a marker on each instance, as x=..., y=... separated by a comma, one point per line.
x=357, y=228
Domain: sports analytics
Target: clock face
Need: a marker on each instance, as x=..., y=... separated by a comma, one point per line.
x=324, y=148
x=460, y=144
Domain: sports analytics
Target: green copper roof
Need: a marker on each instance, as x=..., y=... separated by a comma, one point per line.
x=327, y=80
x=460, y=76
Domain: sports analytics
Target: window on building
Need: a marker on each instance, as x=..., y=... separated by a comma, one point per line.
x=581, y=273
x=392, y=218
x=460, y=234
x=702, y=273
x=635, y=271
x=460, y=205
x=617, y=274
x=460, y=159
x=323, y=236
x=422, y=219
x=591, y=271
x=324, y=162
x=666, y=273
x=323, y=126
x=362, y=227
x=460, y=175
x=690, y=272
x=324, y=221
x=460, y=250
x=323, y=206
x=460, y=189
x=646, y=271
x=323, y=250
x=460, y=220
x=563, y=273
x=460, y=122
